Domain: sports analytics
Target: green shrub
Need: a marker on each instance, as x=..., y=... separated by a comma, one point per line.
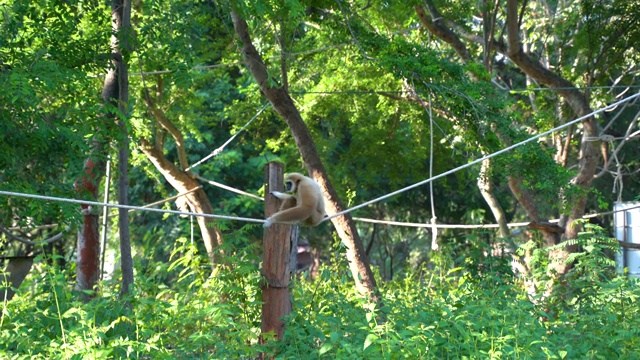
x=178, y=311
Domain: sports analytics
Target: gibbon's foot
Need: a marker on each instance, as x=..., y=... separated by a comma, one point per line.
x=267, y=223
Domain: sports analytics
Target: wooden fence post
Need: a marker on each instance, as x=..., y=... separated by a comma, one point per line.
x=276, y=259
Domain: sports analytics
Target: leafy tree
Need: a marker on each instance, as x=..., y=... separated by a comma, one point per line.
x=50, y=107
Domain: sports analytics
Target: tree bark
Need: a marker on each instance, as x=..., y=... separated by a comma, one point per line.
x=120, y=46
x=88, y=256
x=437, y=28
x=589, y=155
x=283, y=104
x=486, y=189
x=14, y=274
x=168, y=125
x=197, y=200
x=181, y=180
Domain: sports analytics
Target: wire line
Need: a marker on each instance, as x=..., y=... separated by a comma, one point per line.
x=221, y=148
x=130, y=207
x=499, y=152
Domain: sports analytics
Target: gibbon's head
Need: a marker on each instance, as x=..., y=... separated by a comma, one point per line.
x=291, y=182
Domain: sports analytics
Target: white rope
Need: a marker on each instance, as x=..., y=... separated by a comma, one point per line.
x=477, y=226
x=159, y=201
x=229, y=188
x=434, y=218
x=96, y=203
x=440, y=226
x=105, y=219
x=171, y=198
x=221, y=148
x=374, y=221
x=499, y=152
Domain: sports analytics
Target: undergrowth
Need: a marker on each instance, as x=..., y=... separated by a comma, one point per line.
x=178, y=312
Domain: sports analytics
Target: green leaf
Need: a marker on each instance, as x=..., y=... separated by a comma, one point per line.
x=326, y=347
x=371, y=338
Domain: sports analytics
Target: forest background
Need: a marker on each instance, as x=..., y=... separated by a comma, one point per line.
x=137, y=102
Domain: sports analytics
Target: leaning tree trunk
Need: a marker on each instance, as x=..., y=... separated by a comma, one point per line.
x=180, y=179
x=486, y=189
x=283, y=104
x=195, y=196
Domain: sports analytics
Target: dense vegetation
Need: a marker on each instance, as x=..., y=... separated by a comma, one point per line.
x=430, y=314
x=391, y=94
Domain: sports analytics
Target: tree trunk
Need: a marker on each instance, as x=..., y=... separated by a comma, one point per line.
x=197, y=200
x=486, y=189
x=589, y=155
x=180, y=179
x=14, y=274
x=88, y=256
x=282, y=103
x=121, y=22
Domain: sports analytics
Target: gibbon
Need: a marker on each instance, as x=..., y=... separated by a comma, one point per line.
x=305, y=206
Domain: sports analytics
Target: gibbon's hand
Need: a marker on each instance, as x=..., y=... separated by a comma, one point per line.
x=279, y=194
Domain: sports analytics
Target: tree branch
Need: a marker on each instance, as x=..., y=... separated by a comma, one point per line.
x=32, y=243
x=166, y=124
x=439, y=29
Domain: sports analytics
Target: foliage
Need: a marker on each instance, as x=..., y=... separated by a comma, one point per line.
x=362, y=75
x=439, y=313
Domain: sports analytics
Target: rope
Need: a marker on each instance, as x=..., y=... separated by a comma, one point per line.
x=374, y=221
x=478, y=226
x=96, y=203
x=499, y=152
x=229, y=188
x=221, y=148
x=172, y=197
x=235, y=218
x=434, y=218
x=159, y=201
x=383, y=92
x=440, y=226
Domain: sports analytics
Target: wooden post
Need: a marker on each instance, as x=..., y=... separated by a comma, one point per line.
x=275, y=259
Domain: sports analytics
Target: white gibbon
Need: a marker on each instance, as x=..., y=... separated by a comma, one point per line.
x=305, y=206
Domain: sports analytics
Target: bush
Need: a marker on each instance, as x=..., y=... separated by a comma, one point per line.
x=178, y=312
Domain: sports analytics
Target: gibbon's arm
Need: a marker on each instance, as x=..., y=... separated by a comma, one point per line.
x=288, y=201
x=281, y=195
x=289, y=216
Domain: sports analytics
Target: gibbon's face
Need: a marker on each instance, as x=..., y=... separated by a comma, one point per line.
x=289, y=186
x=291, y=183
